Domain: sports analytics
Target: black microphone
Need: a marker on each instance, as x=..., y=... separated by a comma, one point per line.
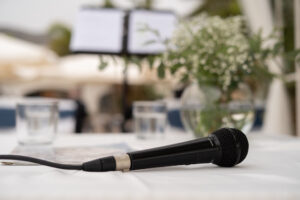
x=225, y=147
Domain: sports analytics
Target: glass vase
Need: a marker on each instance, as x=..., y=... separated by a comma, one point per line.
x=207, y=108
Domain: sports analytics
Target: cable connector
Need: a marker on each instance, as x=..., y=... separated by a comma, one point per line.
x=100, y=165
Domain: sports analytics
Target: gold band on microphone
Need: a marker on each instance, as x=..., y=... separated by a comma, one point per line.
x=123, y=162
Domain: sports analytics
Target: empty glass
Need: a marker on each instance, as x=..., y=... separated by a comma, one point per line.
x=36, y=120
x=149, y=118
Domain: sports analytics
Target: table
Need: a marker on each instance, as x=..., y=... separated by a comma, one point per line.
x=271, y=171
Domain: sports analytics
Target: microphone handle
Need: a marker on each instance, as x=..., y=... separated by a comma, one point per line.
x=202, y=150
x=185, y=158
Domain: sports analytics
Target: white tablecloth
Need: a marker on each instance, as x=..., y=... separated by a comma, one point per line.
x=271, y=171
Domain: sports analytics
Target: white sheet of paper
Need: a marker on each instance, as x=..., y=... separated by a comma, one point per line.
x=70, y=154
x=163, y=22
x=98, y=30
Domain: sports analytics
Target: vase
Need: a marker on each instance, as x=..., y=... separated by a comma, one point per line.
x=206, y=108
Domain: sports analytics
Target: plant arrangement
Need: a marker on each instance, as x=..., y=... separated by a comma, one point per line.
x=227, y=62
x=220, y=52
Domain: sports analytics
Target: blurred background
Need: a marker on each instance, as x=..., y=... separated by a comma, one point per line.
x=35, y=61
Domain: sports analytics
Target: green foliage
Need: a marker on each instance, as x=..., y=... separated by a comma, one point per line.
x=161, y=71
x=218, y=51
x=102, y=64
x=108, y=4
x=288, y=33
x=212, y=117
x=143, y=4
x=223, y=8
x=59, y=39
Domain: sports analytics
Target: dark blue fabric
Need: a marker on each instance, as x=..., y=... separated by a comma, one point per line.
x=66, y=114
x=175, y=119
x=7, y=118
x=258, y=118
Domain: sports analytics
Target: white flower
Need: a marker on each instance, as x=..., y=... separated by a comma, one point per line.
x=212, y=44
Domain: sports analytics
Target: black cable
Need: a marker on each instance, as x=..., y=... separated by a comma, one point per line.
x=41, y=162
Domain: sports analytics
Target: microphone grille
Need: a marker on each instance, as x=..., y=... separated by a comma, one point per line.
x=244, y=145
x=234, y=146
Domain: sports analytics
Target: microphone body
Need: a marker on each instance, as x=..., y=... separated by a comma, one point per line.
x=225, y=147
x=202, y=150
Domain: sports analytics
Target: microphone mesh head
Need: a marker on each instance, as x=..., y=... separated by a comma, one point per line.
x=234, y=146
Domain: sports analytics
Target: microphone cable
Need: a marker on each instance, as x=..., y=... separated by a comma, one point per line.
x=225, y=147
x=41, y=162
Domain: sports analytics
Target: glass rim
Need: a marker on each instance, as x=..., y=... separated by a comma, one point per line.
x=149, y=103
x=36, y=101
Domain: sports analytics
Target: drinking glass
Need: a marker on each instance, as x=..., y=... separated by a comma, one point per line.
x=149, y=118
x=36, y=121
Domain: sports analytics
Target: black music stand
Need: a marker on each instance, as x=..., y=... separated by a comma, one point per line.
x=119, y=32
